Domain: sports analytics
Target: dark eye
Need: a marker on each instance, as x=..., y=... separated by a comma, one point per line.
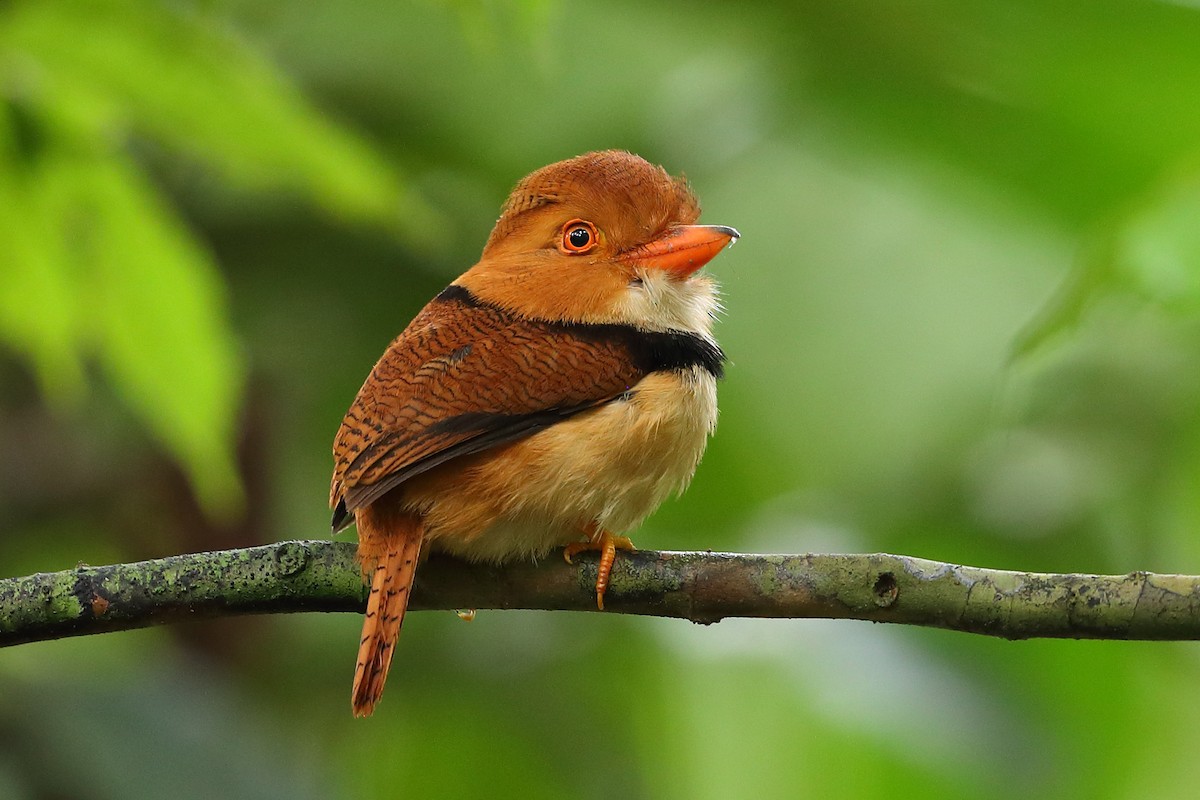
x=578, y=236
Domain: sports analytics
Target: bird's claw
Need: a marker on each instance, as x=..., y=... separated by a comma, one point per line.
x=607, y=544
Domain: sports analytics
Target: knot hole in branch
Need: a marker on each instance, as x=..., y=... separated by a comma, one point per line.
x=885, y=589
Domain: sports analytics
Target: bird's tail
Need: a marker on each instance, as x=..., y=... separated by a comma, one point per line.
x=392, y=542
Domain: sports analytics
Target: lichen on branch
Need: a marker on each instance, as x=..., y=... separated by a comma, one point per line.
x=699, y=586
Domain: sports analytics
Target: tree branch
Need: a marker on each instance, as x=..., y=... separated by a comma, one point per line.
x=702, y=587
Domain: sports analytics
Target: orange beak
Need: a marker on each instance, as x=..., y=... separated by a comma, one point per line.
x=683, y=250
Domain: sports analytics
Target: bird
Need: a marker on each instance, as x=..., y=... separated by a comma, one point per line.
x=553, y=395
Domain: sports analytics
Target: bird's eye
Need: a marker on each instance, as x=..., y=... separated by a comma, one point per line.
x=578, y=236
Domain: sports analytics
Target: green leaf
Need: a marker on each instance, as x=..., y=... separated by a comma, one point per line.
x=157, y=316
x=98, y=265
x=97, y=262
x=178, y=76
x=38, y=308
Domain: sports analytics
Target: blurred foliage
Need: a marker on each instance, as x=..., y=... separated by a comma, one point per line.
x=963, y=322
x=100, y=264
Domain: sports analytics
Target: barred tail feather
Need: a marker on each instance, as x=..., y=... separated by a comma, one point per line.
x=393, y=541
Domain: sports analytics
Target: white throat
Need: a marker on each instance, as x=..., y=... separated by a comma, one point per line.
x=658, y=302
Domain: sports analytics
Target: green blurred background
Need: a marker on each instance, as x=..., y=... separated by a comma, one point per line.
x=963, y=324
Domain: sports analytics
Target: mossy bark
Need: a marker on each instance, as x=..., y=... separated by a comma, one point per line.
x=702, y=587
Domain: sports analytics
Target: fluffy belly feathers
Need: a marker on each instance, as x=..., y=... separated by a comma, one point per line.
x=612, y=466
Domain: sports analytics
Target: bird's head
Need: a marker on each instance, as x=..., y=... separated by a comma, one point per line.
x=605, y=237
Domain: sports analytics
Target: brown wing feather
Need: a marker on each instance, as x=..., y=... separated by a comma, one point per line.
x=461, y=378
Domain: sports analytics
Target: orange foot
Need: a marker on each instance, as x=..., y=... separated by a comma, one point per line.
x=608, y=545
